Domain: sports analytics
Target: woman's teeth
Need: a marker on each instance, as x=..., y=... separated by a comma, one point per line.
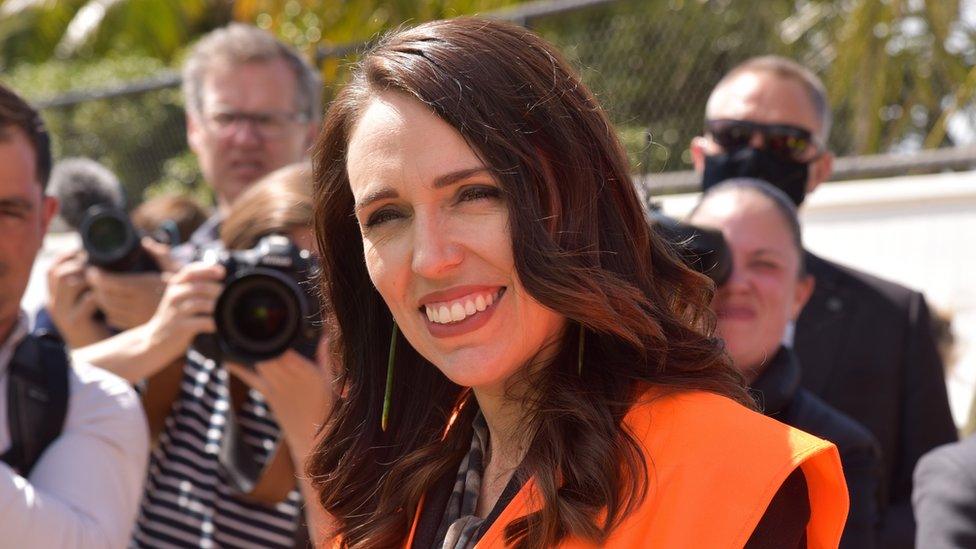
x=455, y=311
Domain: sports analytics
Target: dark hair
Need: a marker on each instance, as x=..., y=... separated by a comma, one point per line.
x=277, y=203
x=582, y=247
x=15, y=112
x=782, y=203
x=182, y=210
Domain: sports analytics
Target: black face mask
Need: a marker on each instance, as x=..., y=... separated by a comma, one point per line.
x=787, y=175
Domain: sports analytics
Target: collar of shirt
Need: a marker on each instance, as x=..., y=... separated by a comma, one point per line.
x=779, y=381
x=208, y=232
x=17, y=334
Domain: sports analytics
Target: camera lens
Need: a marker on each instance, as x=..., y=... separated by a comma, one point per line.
x=258, y=316
x=260, y=313
x=111, y=241
x=107, y=235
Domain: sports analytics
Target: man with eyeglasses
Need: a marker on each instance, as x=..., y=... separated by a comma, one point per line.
x=252, y=106
x=865, y=344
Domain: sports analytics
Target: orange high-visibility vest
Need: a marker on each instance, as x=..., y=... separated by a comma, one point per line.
x=713, y=467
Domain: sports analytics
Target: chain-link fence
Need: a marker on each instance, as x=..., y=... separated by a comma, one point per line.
x=652, y=64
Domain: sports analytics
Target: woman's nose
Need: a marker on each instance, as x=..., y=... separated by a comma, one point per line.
x=435, y=249
x=738, y=280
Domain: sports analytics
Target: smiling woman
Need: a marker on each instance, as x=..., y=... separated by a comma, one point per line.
x=508, y=325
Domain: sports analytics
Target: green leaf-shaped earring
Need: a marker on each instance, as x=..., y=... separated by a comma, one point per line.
x=388, y=392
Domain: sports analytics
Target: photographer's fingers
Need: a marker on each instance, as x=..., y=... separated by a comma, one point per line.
x=65, y=287
x=197, y=306
x=161, y=253
x=104, y=283
x=201, y=325
x=198, y=271
x=76, y=256
x=178, y=294
x=62, y=270
x=119, y=317
x=251, y=378
x=87, y=304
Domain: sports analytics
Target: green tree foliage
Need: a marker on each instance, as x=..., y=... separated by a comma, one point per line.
x=35, y=31
x=897, y=71
x=324, y=25
x=653, y=64
x=133, y=135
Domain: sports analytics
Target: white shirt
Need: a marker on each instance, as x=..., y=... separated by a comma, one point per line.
x=84, y=490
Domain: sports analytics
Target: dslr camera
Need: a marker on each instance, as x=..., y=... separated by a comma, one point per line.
x=702, y=249
x=267, y=305
x=112, y=242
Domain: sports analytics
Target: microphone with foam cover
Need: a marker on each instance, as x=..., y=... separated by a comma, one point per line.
x=79, y=184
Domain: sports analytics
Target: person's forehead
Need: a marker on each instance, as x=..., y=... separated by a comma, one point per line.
x=746, y=219
x=766, y=98
x=257, y=85
x=397, y=135
x=18, y=163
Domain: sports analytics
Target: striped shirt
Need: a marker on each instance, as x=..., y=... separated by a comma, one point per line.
x=188, y=500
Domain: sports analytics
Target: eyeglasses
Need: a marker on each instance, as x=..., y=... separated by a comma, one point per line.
x=788, y=142
x=271, y=125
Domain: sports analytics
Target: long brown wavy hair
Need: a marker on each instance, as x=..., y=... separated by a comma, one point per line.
x=582, y=248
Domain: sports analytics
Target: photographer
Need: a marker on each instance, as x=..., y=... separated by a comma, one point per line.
x=74, y=301
x=74, y=304
x=252, y=106
x=191, y=497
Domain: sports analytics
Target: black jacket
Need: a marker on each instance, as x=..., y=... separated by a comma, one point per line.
x=867, y=349
x=778, y=392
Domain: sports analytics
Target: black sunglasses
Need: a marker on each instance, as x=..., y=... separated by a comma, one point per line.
x=789, y=142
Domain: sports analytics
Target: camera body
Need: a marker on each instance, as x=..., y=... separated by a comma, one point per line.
x=702, y=249
x=267, y=305
x=112, y=242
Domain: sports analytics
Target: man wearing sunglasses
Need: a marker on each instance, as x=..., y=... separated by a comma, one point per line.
x=865, y=344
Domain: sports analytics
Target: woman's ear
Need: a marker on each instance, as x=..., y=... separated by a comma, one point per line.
x=802, y=292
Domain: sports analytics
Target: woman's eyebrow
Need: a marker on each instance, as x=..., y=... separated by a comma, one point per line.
x=379, y=194
x=768, y=251
x=451, y=178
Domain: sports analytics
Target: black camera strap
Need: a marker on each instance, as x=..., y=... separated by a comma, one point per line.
x=37, y=399
x=239, y=460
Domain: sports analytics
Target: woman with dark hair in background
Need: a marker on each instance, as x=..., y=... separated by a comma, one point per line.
x=523, y=361
x=767, y=289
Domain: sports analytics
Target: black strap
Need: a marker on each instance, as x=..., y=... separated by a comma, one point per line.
x=238, y=460
x=241, y=464
x=37, y=399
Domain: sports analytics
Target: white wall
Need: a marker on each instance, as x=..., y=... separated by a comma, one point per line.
x=919, y=231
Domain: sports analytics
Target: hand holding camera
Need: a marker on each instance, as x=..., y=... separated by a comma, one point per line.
x=72, y=304
x=186, y=308
x=298, y=390
x=127, y=270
